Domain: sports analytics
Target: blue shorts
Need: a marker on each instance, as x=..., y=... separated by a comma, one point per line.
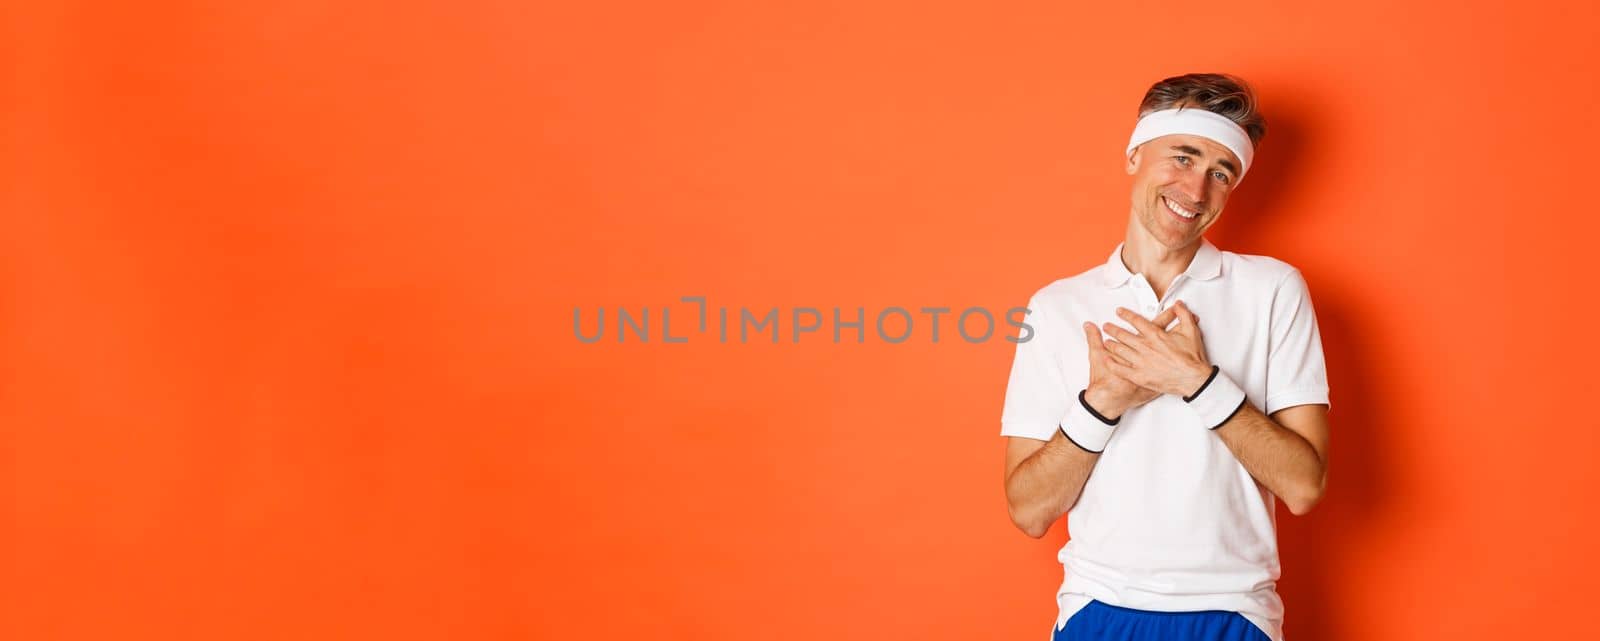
x=1104, y=622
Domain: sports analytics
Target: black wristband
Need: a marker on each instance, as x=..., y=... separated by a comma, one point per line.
x=1094, y=412
x=1080, y=445
x=1086, y=427
x=1217, y=400
x=1203, y=386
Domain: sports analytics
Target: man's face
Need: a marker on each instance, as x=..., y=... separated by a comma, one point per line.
x=1180, y=183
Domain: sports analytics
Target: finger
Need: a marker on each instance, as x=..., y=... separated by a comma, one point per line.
x=1119, y=369
x=1118, y=333
x=1139, y=322
x=1092, y=335
x=1164, y=319
x=1186, y=318
x=1113, y=358
x=1184, y=313
x=1122, y=352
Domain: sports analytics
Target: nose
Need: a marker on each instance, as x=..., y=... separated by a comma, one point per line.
x=1194, y=185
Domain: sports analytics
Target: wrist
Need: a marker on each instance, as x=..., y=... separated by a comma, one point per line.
x=1104, y=403
x=1196, y=381
x=1217, y=399
x=1085, y=426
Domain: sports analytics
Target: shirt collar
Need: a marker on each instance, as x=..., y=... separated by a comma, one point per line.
x=1206, y=264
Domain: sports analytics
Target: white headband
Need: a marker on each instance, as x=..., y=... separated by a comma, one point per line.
x=1197, y=122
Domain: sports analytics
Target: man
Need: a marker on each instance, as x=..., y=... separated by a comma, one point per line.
x=1165, y=446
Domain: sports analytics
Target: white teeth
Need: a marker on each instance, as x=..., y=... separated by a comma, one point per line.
x=1178, y=210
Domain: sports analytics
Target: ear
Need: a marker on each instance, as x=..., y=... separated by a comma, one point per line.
x=1133, y=160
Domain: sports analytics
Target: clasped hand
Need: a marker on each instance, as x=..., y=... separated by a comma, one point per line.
x=1128, y=369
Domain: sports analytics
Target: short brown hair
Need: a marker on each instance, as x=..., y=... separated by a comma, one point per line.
x=1219, y=93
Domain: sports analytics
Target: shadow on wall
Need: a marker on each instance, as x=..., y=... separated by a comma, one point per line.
x=1311, y=547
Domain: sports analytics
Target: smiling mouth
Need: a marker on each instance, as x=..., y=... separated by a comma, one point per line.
x=1181, y=212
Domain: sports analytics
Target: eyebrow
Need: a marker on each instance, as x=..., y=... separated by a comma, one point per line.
x=1194, y=151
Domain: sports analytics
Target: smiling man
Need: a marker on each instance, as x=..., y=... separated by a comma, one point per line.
x=1168, y=447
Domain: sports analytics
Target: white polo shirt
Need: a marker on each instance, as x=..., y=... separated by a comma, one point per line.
x=1169, y=519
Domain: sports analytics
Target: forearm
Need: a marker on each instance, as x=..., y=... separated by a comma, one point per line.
x=1278, y=458
x=1047, y=484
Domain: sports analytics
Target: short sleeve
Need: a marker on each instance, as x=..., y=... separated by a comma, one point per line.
x=1296, y=371
x=1036, y=394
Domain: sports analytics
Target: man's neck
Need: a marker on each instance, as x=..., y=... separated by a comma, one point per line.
x=1141, y=254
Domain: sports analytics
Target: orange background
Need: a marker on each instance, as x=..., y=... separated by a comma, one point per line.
x=288, y=292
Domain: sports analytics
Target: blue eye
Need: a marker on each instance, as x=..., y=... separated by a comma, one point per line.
x=1221, y=177
x=1183, y=160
